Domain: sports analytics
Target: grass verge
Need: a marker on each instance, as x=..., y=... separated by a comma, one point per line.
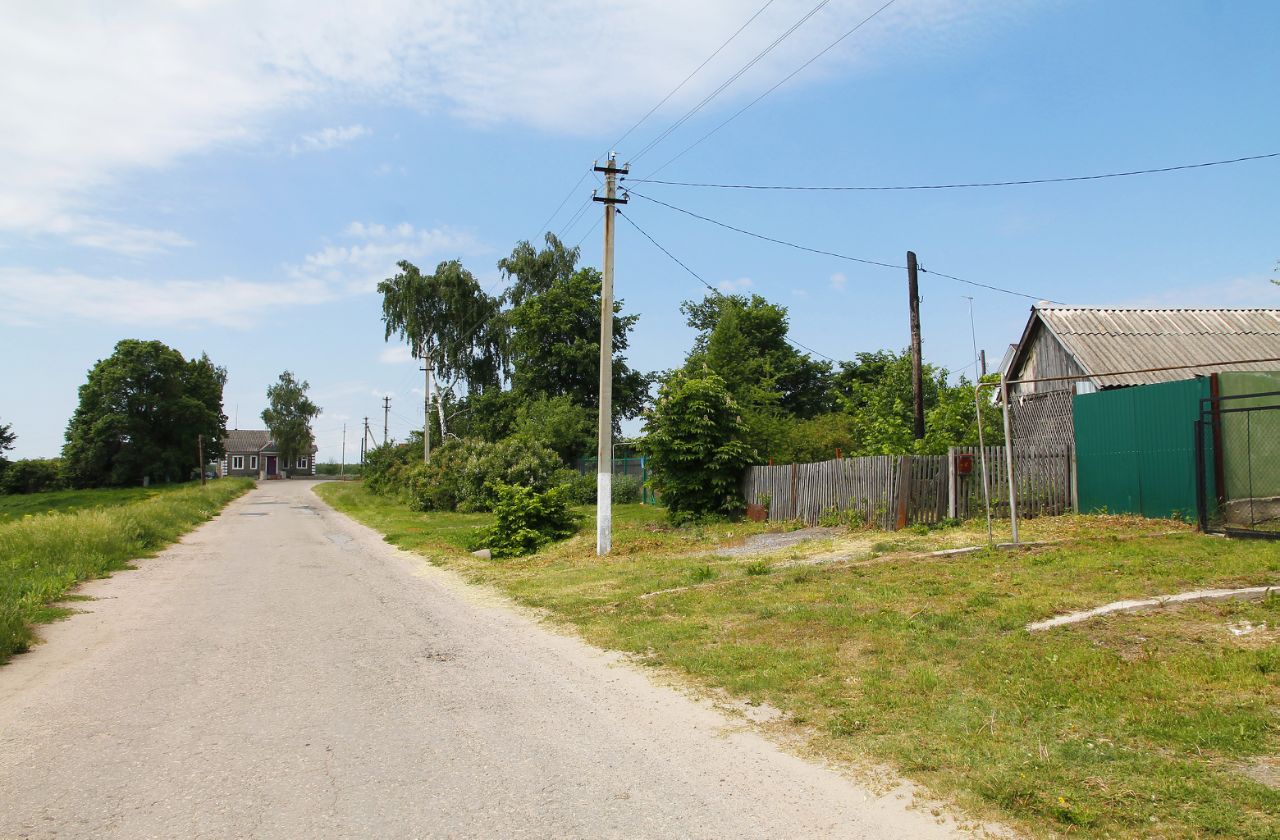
x=68, y=501
x=43, y=556
x=1149, y=724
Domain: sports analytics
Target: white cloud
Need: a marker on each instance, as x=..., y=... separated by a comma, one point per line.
x=372, y=250
x=94, y=92
x=329, y=138
x=838, y=281
x=728, y=287
x=32, y=297
x=395, y=354
x=1255, y=291
x=334, y=272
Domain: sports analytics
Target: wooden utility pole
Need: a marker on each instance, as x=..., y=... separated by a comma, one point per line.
x=917, y=376
x=982, y=362
x=604, y=443
x=426, y=414
x=200, y=455
x=386, y=413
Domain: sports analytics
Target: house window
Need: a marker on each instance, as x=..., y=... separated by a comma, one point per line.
x=302, y=463
x=237, y=462
x=253, y=462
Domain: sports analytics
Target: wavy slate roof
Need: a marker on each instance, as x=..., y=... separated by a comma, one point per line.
x=247, y=440
x=1105, y=340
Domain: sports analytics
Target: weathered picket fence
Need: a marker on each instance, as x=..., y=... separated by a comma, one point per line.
x=892, y=491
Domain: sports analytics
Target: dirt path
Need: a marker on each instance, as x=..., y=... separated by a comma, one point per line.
x=285, y=673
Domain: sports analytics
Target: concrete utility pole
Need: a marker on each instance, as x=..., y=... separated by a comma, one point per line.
x=426, y=414
x=342, y=468
x=386, y=413
x=200, y=455
x=364, y=441
x=917, y=377
x=604, y=447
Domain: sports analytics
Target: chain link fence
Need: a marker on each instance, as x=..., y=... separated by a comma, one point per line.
x=1238, y=469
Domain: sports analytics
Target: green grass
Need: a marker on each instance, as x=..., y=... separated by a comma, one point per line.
x=43, y=556
x=67, y=501
x=1133, y=725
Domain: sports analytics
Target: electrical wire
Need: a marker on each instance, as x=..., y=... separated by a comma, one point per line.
x=835, y=254
x=777, y=85
x=713, y=289
x=958, y=186
x=686, y=79
x=563, y=201
x=733, y=78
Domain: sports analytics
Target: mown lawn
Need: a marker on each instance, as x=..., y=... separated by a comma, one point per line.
x=42, y=556
x=1153, y=724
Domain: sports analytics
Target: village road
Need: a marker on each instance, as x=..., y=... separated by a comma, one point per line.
x=283, y=672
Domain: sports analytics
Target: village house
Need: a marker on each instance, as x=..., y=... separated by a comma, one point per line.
x=252, y=453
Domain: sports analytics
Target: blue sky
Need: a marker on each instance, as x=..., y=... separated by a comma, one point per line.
x=235, y=177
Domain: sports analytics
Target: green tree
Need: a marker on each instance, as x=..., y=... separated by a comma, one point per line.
x=139, y=415
x=288, y=417
x=558, y=423
x=744, y=340
x=696, y=447
x=554, y=331
x=446, y=317
x=875, y=390
x=7, y=437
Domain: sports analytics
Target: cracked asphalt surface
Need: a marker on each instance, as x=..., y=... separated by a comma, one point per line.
x=283, y=672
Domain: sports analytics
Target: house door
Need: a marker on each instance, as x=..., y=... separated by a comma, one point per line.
x=271, y=465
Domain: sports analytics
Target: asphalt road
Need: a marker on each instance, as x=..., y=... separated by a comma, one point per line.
x=282, y=672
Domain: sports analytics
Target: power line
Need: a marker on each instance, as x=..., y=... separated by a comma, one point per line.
x=733, y=78
x=840, y=256
x=563, y=201
x=686, y=79
x=959, y=185
x=713, y=289
x=777, y=85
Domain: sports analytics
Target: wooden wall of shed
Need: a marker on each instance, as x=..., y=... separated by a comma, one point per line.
x=1045, y=357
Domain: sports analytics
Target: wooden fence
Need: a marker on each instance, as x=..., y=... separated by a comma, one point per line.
x=891, y=491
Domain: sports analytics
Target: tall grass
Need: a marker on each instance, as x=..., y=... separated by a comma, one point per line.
x=42, y=557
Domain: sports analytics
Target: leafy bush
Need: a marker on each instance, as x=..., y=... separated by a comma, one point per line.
x=581, y=487
x=695, y=445
x=526, y=520
x=336, y=469
x=463, y=474
x=32, y=475
x=559, y=423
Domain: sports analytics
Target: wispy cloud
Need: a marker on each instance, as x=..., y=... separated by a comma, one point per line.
x=1236, y=292
x=139, y=86
x=36, y=297
x=369, y=253
x=329, y=138
x=395, y=354
x=838, y=281
x=728, y=287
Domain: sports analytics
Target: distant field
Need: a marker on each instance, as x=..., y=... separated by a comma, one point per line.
x=1164, y=723
x=88, y=535
x=68, y=501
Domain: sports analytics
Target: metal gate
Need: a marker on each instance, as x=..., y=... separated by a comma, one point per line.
x=1238, y=464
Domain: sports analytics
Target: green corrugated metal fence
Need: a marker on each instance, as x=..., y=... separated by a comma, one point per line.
x=1135, y=448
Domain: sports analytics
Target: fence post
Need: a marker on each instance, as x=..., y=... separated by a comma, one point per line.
x=795, y=491
x=903, y=492
x=952, y=480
